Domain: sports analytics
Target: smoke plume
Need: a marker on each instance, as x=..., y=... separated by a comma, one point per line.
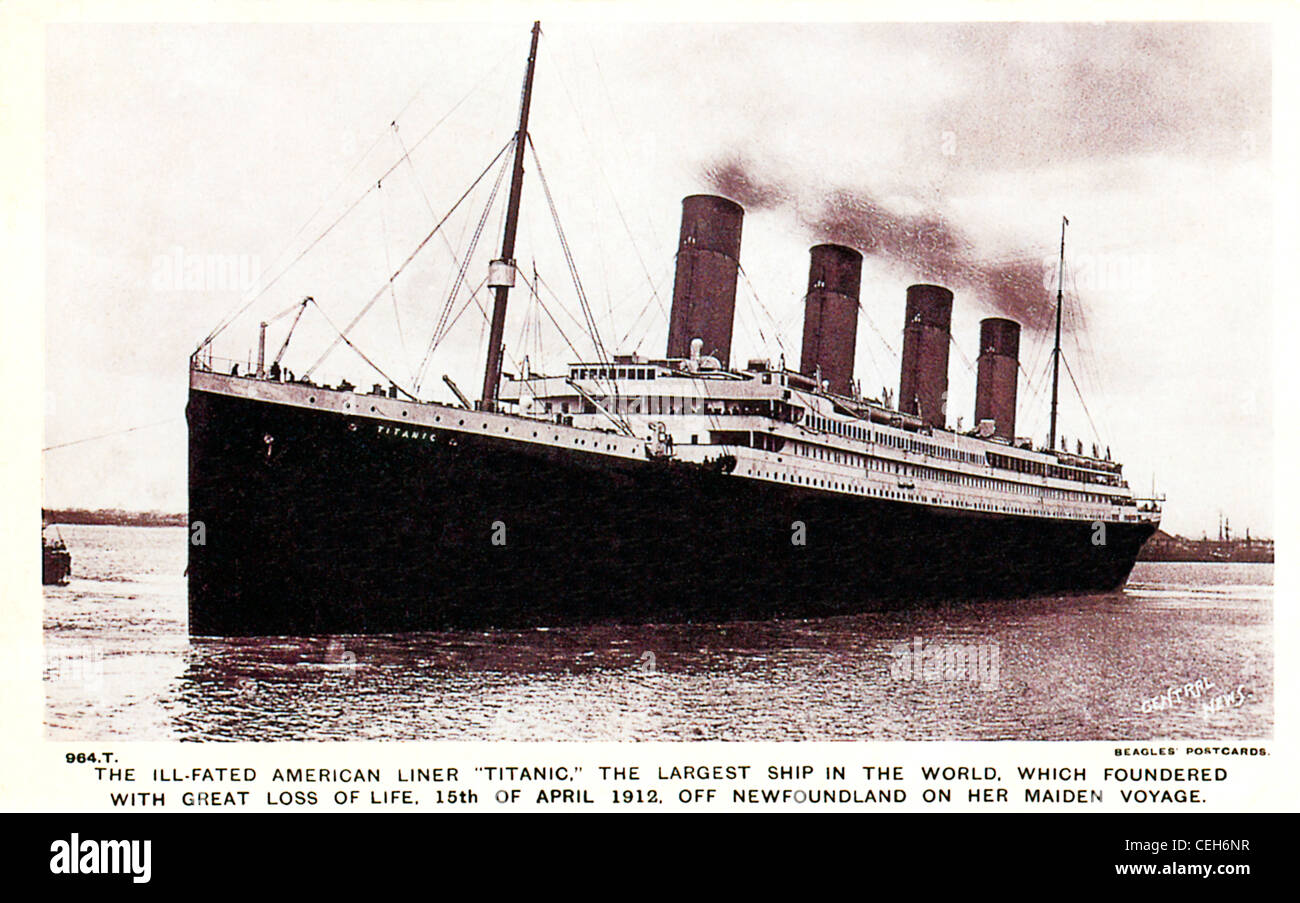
x=929, y=246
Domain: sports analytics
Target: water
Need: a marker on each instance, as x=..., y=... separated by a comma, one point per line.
x=119, y=665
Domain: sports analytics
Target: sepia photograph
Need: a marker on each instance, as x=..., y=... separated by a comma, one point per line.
x=601, y=381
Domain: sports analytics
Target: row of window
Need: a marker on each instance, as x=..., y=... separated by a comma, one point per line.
x=892, y=440
x=675, y=404
x=612, y=372
x=822, y=453
x=1006, y=462
x=1020, y=465
x=861, y=489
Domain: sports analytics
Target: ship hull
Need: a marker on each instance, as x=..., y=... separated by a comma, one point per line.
x=312, y=521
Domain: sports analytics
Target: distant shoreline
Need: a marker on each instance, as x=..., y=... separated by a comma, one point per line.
x=1168, y=547
x=113, y=517
x=1207, y=559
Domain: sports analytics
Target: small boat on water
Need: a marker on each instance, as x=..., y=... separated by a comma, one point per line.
x=56, y=560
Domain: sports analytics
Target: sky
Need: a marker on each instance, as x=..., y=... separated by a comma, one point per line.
x=195, y=169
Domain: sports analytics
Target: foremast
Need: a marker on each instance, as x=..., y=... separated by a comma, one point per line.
x=502, y=272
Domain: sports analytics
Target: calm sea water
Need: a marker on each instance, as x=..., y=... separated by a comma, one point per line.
x=1184, y=651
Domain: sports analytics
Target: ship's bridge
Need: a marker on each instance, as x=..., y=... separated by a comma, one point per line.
x=595, y=393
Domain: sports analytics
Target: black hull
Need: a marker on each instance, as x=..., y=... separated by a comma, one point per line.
x=339, y=527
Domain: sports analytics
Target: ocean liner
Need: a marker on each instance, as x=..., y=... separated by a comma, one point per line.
x=638, y=488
